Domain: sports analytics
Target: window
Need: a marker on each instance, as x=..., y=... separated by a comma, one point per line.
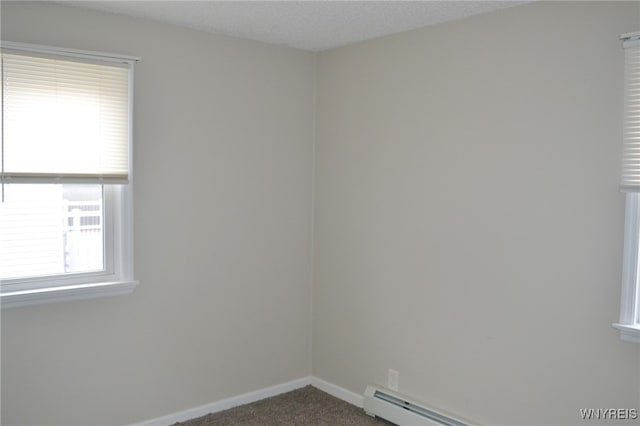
x=629, y=324
x=66, y=208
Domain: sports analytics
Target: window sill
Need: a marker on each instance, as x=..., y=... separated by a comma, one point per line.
x=41, y=296
x=629, y=333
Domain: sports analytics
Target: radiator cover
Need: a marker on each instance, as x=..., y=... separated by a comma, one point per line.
x=402, y=410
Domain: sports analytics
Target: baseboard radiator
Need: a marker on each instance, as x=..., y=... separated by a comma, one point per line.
x=402, y=411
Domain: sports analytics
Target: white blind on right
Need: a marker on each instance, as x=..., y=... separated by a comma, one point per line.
x=630, y=179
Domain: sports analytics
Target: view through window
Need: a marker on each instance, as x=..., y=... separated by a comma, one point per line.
x=51, y=230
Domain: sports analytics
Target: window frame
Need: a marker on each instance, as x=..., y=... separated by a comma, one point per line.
x=628, y=324
x=118, y=277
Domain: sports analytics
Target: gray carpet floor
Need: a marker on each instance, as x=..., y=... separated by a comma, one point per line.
x=304, y=406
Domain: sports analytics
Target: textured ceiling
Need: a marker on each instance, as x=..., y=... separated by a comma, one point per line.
x=308, y=25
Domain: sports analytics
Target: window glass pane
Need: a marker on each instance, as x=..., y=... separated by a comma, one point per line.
x=51, y=230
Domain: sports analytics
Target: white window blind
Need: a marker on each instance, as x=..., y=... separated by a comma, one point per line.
x=65, y=119
x=630, y=180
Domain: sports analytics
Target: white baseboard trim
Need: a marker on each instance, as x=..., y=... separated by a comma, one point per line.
x=335, y=390
x=227, y=403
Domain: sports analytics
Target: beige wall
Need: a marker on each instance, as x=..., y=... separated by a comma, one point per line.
x=468, y=221
x=223, y=143
x=468, y=226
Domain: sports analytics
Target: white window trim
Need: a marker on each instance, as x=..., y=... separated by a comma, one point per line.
x=118, y=279
x=628, y=326
x=628, y=333
x=66, y=293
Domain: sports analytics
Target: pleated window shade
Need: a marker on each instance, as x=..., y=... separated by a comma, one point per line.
x=65, y=119
x=630, y=180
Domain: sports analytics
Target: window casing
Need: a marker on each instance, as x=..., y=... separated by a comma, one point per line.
x=629, y=322
x=103, y=157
